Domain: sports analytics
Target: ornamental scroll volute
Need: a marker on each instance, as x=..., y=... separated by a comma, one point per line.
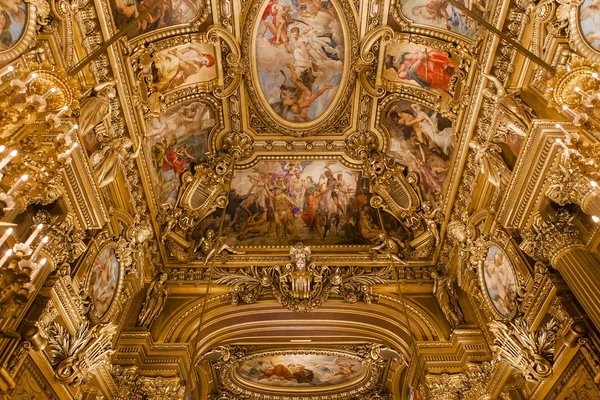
x=394, y=190
x=206, y=189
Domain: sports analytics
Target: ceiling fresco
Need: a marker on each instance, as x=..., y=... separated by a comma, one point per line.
x=299, y=199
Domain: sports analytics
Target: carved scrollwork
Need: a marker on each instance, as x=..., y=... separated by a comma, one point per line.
x=396, y=191
x=231, y=387
x=76, y=356
x=530, y=353
x=301, y=285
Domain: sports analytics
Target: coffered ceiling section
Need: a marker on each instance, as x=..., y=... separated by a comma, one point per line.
x=272, y=122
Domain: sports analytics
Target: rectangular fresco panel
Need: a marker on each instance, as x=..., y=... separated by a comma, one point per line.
x=442, y=14
x=12, y=22
x=183, y=65
x=422, y=140
x=419, y=66
x=177, y=140
x=170, y=12
x=318, y=202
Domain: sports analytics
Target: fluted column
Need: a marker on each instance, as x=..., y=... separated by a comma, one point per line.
x=558, y=243
x=571, y=186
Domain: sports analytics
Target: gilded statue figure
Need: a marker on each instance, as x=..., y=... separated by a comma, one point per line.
x=430, y=215
x=156, y=297
x=487, y=157
x=113, y=155
x=390, y=247
x=445, y=293
x=96, y=106
x=516, y=115
x=208, y=246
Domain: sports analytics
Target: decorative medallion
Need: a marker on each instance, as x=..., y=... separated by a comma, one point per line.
x=500, y=282
x=18, y=22
x=104, y=283
x=300, y=371
x=589, y=23
x=300, y=62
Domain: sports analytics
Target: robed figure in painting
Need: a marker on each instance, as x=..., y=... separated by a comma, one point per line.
x=429, y=69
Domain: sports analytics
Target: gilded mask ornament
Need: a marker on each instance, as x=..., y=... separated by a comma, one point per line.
x=302, y=285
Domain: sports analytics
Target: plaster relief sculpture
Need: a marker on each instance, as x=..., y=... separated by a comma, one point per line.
x=514, y=113
x=209, y=246
x=302, y=285
x=444, y=290
x=156, y=297
x=96, y=106
x=112, y=156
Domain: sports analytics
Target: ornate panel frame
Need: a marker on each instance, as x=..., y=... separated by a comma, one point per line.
x=87, y=265
x=373, y=367
x=458, y=54
x=577, y=39
x=337, y=107
x=409, y=26
x=176, y=98
x=34, y=8
x=173, y=30
x=516, y=264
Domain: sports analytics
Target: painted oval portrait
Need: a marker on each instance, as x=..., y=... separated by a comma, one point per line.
x=297, y=371
x=104, y=282
x=589, y=21
x=13, y=15
x=299, y=49
x=500, y=281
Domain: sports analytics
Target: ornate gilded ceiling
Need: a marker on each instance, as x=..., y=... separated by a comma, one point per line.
x=298, y=199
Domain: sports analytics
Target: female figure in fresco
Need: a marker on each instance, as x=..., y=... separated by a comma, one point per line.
x=429, y=69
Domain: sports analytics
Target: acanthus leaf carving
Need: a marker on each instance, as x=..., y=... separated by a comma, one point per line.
x=302, y=285
x=76, y=356
x=530, y=353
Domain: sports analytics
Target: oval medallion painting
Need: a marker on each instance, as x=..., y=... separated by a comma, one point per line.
x=589, y=20
x=299, y=51
x=12, y=22
x=104, y=281
x=300, y=370
x=500, y=281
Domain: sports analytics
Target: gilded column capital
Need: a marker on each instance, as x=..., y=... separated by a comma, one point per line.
x=546, y=240
x=566, y=185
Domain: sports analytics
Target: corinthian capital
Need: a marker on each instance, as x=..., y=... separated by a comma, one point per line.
x=545, y=240
x=566, y=186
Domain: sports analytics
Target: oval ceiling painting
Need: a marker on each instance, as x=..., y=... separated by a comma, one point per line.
x=13, y=16
x=300, y=54
x=500, y=281
x=297, y=371
x=589, y=19
x=104, y=281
